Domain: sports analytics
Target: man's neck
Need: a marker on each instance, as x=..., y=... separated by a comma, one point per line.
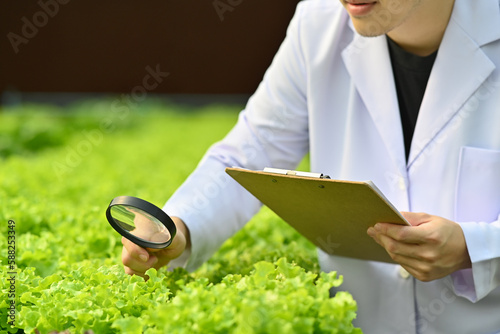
x=421, y=34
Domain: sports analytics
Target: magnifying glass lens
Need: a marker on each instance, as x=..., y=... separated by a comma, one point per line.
x=140, y=224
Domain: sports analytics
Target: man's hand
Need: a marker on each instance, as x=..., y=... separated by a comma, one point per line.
x=432, y=248
x=138, y=260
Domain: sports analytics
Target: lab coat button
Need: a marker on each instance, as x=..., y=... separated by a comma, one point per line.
x=403, y=273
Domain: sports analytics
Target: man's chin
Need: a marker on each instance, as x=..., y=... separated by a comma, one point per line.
x=369, y=29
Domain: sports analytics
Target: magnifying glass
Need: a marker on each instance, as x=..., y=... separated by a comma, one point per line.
x=141, y=222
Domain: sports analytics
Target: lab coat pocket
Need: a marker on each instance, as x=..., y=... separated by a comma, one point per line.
x=478, y=185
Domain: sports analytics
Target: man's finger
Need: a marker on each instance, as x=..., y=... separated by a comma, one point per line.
x=396, y=248
x=133, y=257
x=135, y=251
x=135, y=265
x=416, y=218
x=407, y=234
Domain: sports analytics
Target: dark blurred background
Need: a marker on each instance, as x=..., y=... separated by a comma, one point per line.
x=66, y=49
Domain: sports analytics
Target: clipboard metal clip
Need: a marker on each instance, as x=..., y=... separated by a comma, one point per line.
x=295, y=173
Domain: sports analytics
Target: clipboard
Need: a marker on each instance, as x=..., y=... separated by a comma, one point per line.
x=333, y=214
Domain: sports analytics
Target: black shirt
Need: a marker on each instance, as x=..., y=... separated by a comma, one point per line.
x=411, y=73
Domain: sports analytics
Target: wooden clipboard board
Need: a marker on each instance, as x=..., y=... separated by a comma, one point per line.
x=334, y=215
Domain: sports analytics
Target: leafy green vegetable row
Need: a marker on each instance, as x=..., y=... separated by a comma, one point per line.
x=274, y=298
x=264, y=279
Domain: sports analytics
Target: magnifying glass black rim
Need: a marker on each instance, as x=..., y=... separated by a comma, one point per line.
x=149, y=208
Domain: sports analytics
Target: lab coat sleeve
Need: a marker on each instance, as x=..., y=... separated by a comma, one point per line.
x=272, y=131
x=483, y=244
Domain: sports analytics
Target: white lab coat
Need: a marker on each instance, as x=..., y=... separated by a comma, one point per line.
x=331, y=92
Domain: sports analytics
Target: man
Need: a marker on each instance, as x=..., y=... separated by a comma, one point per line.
x=347, y=86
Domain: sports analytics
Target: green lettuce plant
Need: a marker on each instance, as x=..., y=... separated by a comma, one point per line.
x=265, y=279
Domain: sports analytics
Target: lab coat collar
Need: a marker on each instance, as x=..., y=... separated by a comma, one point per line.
x=459, y=70
x=461, y=67
x=368, y=62
x=466, y=12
